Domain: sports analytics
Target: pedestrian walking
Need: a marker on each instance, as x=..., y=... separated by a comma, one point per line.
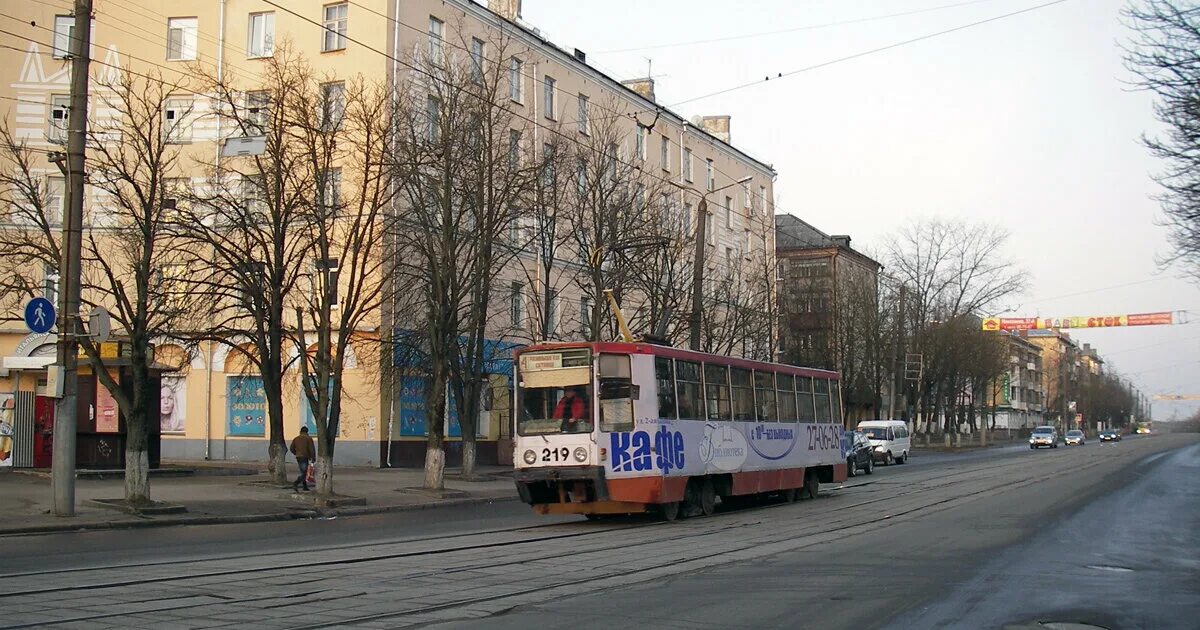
x=305, y=451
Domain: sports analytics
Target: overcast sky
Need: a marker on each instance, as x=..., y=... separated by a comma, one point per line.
x=1025, y=121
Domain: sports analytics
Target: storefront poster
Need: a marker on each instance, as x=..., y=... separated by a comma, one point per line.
x=172, y=404
x=413, y=417
x=108, y=418
x=6, y=430
x=308, y=420
x=245, y=406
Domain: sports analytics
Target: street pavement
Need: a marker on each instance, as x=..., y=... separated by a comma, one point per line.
x=908, y=545
x=231, y=492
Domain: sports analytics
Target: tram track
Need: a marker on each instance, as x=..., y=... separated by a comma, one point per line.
x=809, y=528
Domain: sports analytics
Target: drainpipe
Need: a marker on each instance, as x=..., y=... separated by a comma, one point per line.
x=209, y=380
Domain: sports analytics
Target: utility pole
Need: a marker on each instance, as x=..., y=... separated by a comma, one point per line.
x=697, y=316
x=896, y=380
x=63, y=462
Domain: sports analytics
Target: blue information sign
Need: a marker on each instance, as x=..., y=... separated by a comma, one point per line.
x=39, y=315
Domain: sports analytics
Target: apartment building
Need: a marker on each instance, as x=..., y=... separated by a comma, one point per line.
x=1017, y=398
x=209, y=401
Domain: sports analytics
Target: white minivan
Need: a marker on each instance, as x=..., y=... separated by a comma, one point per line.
x=889, y=438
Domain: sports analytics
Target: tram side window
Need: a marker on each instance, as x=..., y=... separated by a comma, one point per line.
x=617, y=393
x=822, y=398
x=764, y=397
x=687, y=375
x=743, y=395
x=786, y=386
x=835, y=397
x=716, y=391
x=804, y=399
x=664, y=378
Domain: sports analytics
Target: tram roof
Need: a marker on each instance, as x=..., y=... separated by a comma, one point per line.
x=621, y=347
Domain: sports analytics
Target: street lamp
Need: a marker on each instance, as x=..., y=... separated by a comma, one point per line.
x=698, y=271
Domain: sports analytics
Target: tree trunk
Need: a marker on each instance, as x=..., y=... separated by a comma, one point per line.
x=324, y=475
x=278, y=464
x=137, y=477
x=435, y=467
x=468, y=458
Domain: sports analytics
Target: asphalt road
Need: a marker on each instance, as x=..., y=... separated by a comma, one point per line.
x=1103, y=533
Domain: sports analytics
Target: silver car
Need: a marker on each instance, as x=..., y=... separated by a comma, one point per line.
x=1044, y=436
x=1075, y=438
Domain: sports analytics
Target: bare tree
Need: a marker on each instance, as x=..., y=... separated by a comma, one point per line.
x=241, y=226
x=1164, y=54
x=31, y=206
x=130, y=265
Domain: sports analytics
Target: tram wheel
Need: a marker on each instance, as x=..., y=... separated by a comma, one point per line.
x=669, y=511
x=812, y=485
x=707, y=497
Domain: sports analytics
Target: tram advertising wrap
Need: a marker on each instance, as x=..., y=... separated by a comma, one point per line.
x=688, y=447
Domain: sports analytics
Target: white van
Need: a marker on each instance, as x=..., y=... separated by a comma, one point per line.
x=889, y=438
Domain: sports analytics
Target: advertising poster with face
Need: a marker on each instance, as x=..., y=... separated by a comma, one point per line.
x=172, y=404
x=6, y=430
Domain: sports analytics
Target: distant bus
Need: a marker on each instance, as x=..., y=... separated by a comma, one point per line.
x=617, y=428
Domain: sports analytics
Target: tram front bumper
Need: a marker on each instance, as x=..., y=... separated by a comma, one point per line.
x=561, y=484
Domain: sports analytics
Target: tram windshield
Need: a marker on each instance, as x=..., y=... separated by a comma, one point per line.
x=546, y=410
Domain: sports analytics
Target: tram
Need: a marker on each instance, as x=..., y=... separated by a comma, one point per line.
x=618, y=428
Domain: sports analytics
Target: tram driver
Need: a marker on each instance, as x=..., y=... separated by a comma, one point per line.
x=572, y=410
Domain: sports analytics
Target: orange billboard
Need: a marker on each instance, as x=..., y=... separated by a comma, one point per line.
x=1102, y=321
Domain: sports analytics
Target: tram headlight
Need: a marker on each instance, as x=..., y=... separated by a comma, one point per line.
x=530, y=457
x=581, y=454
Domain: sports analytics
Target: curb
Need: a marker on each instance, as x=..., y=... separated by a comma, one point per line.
x=306, y=514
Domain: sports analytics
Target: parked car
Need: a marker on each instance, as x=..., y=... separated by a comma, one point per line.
x=1110, y=435
x=1044, y=436
x=1075, y=437
x=859, y=454
x=890, y=441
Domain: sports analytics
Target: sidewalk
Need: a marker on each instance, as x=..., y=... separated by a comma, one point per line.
x=233, y=492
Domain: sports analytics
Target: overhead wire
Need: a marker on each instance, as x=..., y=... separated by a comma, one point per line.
x=796, y=29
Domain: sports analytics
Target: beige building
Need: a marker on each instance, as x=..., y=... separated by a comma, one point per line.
x=209, y=403
x=1017, y=398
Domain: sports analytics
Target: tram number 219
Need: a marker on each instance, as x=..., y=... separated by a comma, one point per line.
x=555, y=454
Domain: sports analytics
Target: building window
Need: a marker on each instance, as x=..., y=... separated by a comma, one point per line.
x=477, y=60
x=687, y=164
x=515, y=91
x=585, y=316
x=516, y=306
x=335, y=27
x=257, y=112
x=640, y=143
x=330, y=185
x=549, y=98
x=432, y=118
x=261, y=35
x=687, y=219
x=749, y=241
x=181, y=39
x=581, y=179
x=172, y=286
x=728, y=212
x=60, y=113
x=175, y=114
x=50, y=283
x=514, y=149
x=327, y=272
x=708, y=229
x=728, y=261
x=708, y=172
x=746, y=196
x=665, y=154
x=762, y=198
x=437, y=29
x=333, y=105
x=56, y=198
x=64, y=30
x=583, y=114
x=551, y=313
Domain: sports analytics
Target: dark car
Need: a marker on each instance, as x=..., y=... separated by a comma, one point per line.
x=859, y=454
x=1110, y=435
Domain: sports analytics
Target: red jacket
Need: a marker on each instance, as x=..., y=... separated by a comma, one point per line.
x=578, y=410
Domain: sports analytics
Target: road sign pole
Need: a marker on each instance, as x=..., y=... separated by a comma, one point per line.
x=63, y=470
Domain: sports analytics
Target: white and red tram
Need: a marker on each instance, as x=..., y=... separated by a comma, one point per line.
x=614, y=428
